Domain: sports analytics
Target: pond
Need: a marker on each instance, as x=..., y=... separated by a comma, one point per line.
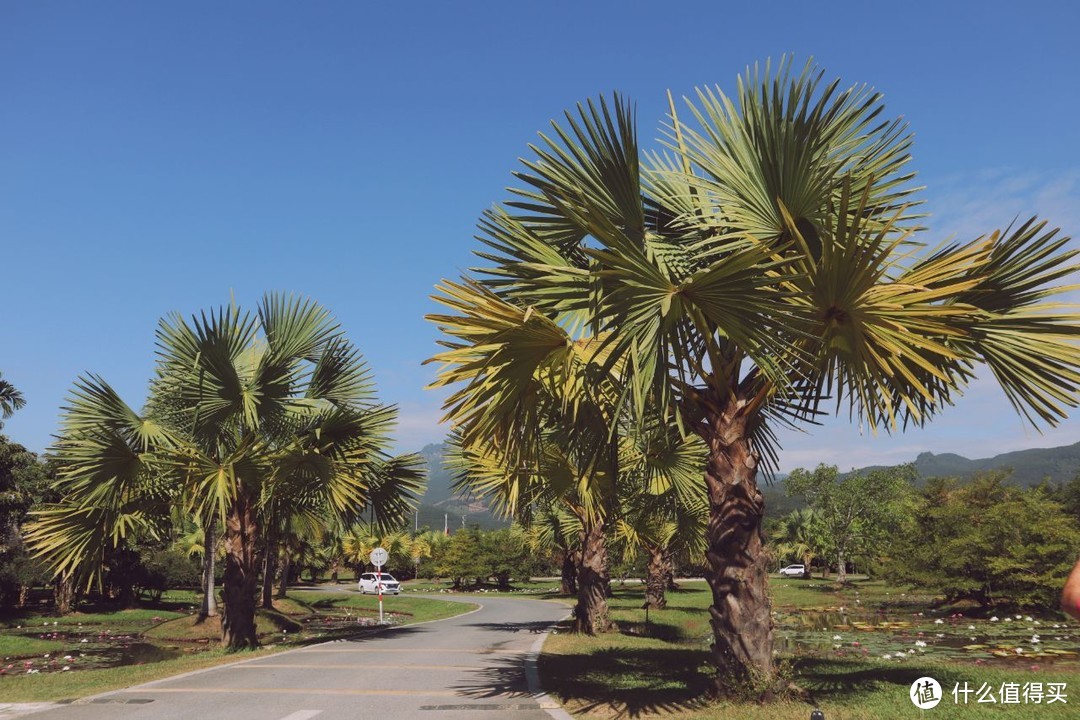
x=1008, y=639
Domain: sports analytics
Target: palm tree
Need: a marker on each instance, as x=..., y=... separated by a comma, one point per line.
x=796, y=536
x=767, y=260
x=536, y=422
x=10, y=400
x=244, y=409
x=552, y=529
x=663, y=508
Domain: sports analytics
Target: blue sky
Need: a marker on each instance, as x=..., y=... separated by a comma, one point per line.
x=160, y=156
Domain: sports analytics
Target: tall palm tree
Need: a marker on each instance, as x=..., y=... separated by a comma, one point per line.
x=10, y=400
x=766, y=260
x=244, y=408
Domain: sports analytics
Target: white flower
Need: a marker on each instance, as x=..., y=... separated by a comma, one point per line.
x=886, y=656
x=910, y=652
x=1017, y=617
x=837, y=637
x=65, y=668
x=1027, y=619
x=939, y=621
x=1019, y=651
x=971, y=627
x=1035, y=640
x=941, y=634
x=994, y=619
x=920, y=643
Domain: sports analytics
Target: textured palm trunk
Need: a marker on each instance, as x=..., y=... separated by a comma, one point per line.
x=568, y=581
x=591, y=611
x=270, y=554
x=64, y=594
x=669, y=572
x=656, y=579
x=286, y=571
x=209, y=601
x=741, y=612
x=241, y=575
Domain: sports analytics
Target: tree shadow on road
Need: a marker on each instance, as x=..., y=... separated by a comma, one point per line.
x=502, y=678
x=535, y=627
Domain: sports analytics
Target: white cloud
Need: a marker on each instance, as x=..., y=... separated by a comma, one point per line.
x=418, y=425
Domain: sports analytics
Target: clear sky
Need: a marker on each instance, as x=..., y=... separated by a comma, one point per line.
x=158, y=156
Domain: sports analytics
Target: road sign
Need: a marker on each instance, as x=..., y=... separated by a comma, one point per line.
x=379, y=556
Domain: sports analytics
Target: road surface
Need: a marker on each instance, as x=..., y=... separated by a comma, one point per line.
x=469, y=666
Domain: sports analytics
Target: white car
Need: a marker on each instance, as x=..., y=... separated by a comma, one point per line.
x=793, y=571
x=369, y=583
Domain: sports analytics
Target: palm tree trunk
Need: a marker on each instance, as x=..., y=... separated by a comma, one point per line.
x=209, y=601
x=241, y=573
x=286, y=570
x=568, y=581
x=591, y=612
x=669, y=572
x=656, y=579
x=64, y=594
x=268, y=572
x=741, y=612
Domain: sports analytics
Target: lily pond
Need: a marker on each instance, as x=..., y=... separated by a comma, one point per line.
x=899, y=626
x=33, y=645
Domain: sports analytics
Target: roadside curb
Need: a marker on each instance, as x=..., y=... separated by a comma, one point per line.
x=532, y=677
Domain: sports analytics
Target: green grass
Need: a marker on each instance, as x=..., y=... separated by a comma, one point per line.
x=14, y=646
x=664, y=667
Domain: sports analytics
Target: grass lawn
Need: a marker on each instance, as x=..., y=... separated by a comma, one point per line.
x=853, y=653
x=90, y=653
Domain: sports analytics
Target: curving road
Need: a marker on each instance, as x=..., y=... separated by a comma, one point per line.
x=471, y=666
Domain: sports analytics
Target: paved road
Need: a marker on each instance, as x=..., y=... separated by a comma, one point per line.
x=470, y=666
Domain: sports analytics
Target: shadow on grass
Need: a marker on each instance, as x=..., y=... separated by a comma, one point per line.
x=652, y=629
x=828, y=680
x=630, y=683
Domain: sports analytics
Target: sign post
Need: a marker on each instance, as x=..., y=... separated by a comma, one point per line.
x=378, y=558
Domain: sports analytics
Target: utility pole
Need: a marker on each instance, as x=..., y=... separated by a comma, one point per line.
x=446, y=524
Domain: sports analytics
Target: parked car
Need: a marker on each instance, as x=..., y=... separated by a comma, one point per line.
x=794, y=571
x=369, y=583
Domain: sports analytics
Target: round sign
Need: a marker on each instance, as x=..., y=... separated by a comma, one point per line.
x=379, y=556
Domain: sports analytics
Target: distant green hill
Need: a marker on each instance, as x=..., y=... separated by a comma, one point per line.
x=1029, y=467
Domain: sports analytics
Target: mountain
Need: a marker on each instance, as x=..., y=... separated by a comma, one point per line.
x=441, y=506
x=1029, y=467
